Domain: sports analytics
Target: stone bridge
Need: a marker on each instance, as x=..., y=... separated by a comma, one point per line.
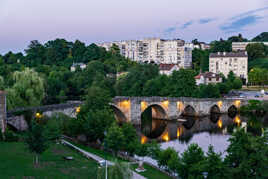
x=130, y=109
x=16, y=119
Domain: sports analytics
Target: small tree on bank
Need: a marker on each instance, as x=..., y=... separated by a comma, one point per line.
x=36, y=140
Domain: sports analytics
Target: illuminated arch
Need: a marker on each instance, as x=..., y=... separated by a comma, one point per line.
x=119, y=115
x=158, y=112
x=153, y=121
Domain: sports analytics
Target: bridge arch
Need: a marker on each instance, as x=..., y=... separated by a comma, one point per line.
x=232, y=111
x=119, y=115
x=214, y=109
x=158, y=112
x=152, y=123
x=189, y=111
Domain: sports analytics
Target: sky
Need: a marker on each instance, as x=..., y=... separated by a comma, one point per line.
x=93, y=21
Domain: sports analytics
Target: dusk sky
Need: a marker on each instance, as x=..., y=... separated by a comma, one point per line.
x=110, y=20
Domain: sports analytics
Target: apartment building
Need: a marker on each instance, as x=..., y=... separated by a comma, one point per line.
x=241, y=46
x=224, y=62
x=155, y=50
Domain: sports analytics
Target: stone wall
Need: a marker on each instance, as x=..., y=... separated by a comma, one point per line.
x=2, y=111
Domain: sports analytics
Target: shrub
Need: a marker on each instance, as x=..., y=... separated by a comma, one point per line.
x=10, y=136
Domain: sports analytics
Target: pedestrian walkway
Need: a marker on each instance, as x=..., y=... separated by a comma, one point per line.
x=96, y=158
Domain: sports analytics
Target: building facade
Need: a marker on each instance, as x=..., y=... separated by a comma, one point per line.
x=155, y=50
x=208, y=78
x=167, y=69
x=224, y=62
x=241, y=46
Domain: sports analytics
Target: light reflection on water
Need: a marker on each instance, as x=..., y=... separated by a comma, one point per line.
x=214, y=130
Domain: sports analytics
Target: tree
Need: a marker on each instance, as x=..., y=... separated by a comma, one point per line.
x=158, y=86
x=214, y=165
x=120, y=170
x=96, y=115
x=221, y=46
x=133, y=83
x=130, y=137
x=114, y=139
x=182, y=84
x=255, y=50
x=263, y=37
x=165, y=156
x=191, y=164
x=247, y=155
x=223, y=88
x=238, y=38
x=200, y=59
x=2, y=83
x=209, y=91
x=237, y=83
x=36, y=140
x=28, y=89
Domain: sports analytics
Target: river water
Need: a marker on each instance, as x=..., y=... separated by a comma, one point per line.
x=214, y=130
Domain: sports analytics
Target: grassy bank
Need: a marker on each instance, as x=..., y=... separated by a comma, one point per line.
x=17, y=162
x=150, y=173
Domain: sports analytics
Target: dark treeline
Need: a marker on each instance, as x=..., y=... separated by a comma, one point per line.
x=52, y=62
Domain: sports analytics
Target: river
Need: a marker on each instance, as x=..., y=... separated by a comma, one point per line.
x=213, y=130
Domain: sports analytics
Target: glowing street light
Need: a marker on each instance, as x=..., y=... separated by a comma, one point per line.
x=78, y=109
x=38, y=115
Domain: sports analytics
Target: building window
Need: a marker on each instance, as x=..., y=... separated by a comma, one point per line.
x=209, y=79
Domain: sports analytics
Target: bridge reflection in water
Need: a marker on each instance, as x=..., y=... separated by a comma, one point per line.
x=216, y=126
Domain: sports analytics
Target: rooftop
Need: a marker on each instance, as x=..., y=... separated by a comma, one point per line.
x=166, y=67
x=229, y=54
x=207, y=75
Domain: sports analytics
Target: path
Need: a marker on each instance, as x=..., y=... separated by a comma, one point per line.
x=96, y=158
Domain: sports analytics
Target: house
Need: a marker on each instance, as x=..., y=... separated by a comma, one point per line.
x=208, y=78
x=224, y=62
x=75, y=65
x=167, y=69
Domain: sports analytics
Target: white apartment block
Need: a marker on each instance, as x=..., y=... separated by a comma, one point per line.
x=224, y=62
x=155, y=50
x=241, y=46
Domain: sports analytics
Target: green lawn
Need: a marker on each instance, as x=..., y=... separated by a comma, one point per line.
x=16, y=162
x=150, y=173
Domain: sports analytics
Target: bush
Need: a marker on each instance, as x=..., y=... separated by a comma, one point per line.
x=10, y=136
